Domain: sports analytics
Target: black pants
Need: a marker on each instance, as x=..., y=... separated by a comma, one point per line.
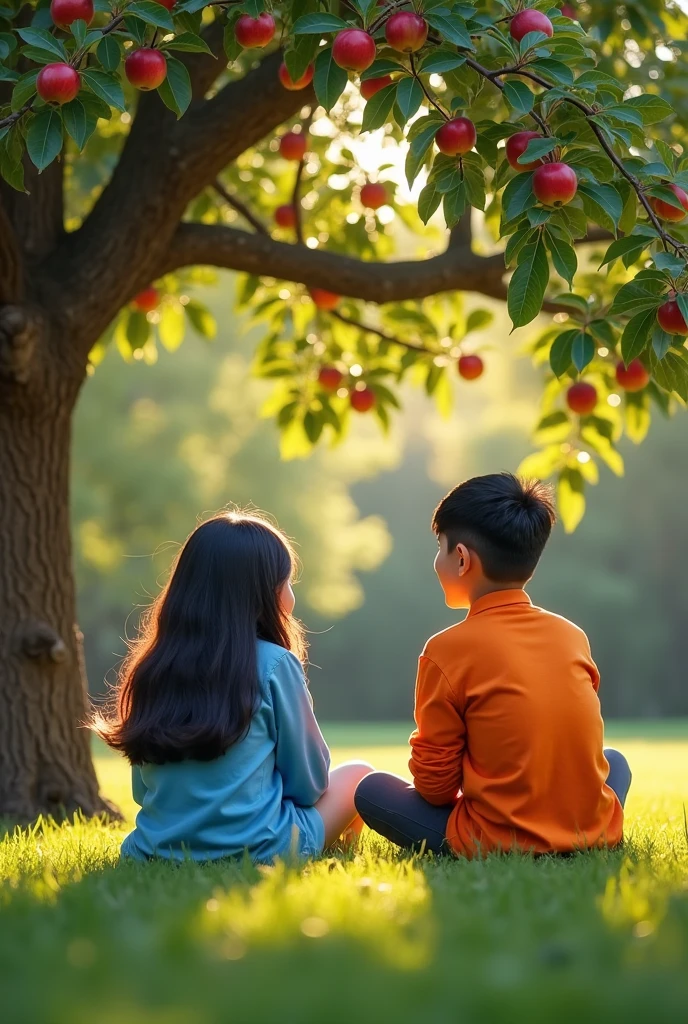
x=392, y=806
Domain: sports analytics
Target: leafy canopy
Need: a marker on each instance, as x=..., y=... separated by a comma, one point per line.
x=596, y=92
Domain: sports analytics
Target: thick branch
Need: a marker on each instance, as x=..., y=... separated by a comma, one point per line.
x=165, y=164
x=453, y=270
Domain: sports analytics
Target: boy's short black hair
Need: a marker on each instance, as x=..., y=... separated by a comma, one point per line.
x=506, y=521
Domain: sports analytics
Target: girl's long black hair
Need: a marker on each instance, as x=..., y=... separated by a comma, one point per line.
x=189, y=687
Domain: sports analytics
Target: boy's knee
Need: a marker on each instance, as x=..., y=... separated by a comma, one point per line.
x=366, y=788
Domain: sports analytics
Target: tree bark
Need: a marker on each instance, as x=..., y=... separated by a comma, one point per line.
x=45, y=760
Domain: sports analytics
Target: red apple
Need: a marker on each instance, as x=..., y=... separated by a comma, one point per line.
x=456, y=137
x=406, y=31
x=147, y=300
x=633, y=377
x=324, y=299
x=57, y=83
x=581, y=398
x=146, y=68
x=668, y=212
x=373, y=85
x=373, y=195
x=330, y=378
x=254, y=33
x=285, y=216
x=169, y=4
x=65, y=12
x=569, y=11
x=293, y=145
x=362, y=400
x=670, y=319
x=471, y=367
x=295, y=84
x=353, y=49
x=529, y=21
x=516, y=145
x=555, y=184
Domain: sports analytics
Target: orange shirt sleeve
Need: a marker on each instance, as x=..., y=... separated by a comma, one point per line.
x=437, y=745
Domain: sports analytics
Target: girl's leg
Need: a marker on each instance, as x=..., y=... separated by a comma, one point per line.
x=336, y=805
x=392, y=806
x=619, y=778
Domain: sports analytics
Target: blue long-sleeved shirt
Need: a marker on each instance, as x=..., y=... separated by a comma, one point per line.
x=258, y=797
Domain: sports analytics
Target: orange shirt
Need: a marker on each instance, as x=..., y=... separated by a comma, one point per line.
x=509, y=730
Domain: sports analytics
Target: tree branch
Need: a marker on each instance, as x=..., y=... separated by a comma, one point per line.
x=383, y=335
x=121, y=244
x=220, y=246
x=240, y=207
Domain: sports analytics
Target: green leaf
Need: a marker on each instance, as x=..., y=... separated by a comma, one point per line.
x=636, y=296
x=318, y=24
x=451, y=28
x=637, y=416
x=379, y=106
x=382, y=66
x=409, y=97
x=603, y=332
x=75, y=121
x=24, y=89
x=516, y=243
x=553, y=428
x=105, y=86
x=563, y=257
x=189, y=42
x=428, y=201
x=570, y=498
x=582, y=350
x=602, y=203
x=44, y=137
x=667, y=261
x=518, y=196
x=555, y=70
x=44, y=41
x=636, y=334
x=478, y=319
x=175, y=91
x=454, y=205
x=138, y=329
x=518, y=96
x=438, y=61
x=329, y=80
x=109, y=53
x=474, y=179
x=201, y=319
x=11, y=167
x=420, y=143
x=300, y=54
x=537, y=148
x=629, y=245
x=652, y=109
x=560, y=352
x=152, y=13
x=528, y=284
x=171, y=327
x=661, y=342
x=603, y=446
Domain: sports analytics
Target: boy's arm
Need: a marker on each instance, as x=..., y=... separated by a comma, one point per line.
x=438, y=743
x=301, y=754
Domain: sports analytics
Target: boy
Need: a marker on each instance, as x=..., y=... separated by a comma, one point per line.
x=507, y=752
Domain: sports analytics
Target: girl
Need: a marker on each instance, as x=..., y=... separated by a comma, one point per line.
x=213, y=711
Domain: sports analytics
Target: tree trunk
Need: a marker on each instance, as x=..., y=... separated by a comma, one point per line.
x=45, y=760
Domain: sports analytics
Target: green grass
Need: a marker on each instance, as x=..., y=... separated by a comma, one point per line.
x=375, y=937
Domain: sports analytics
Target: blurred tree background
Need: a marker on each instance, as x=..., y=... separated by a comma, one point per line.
x=154, y=449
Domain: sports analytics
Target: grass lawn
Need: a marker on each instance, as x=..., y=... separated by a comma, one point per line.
x=374, y=937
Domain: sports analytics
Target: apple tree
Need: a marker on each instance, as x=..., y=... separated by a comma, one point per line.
x=139, y=138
